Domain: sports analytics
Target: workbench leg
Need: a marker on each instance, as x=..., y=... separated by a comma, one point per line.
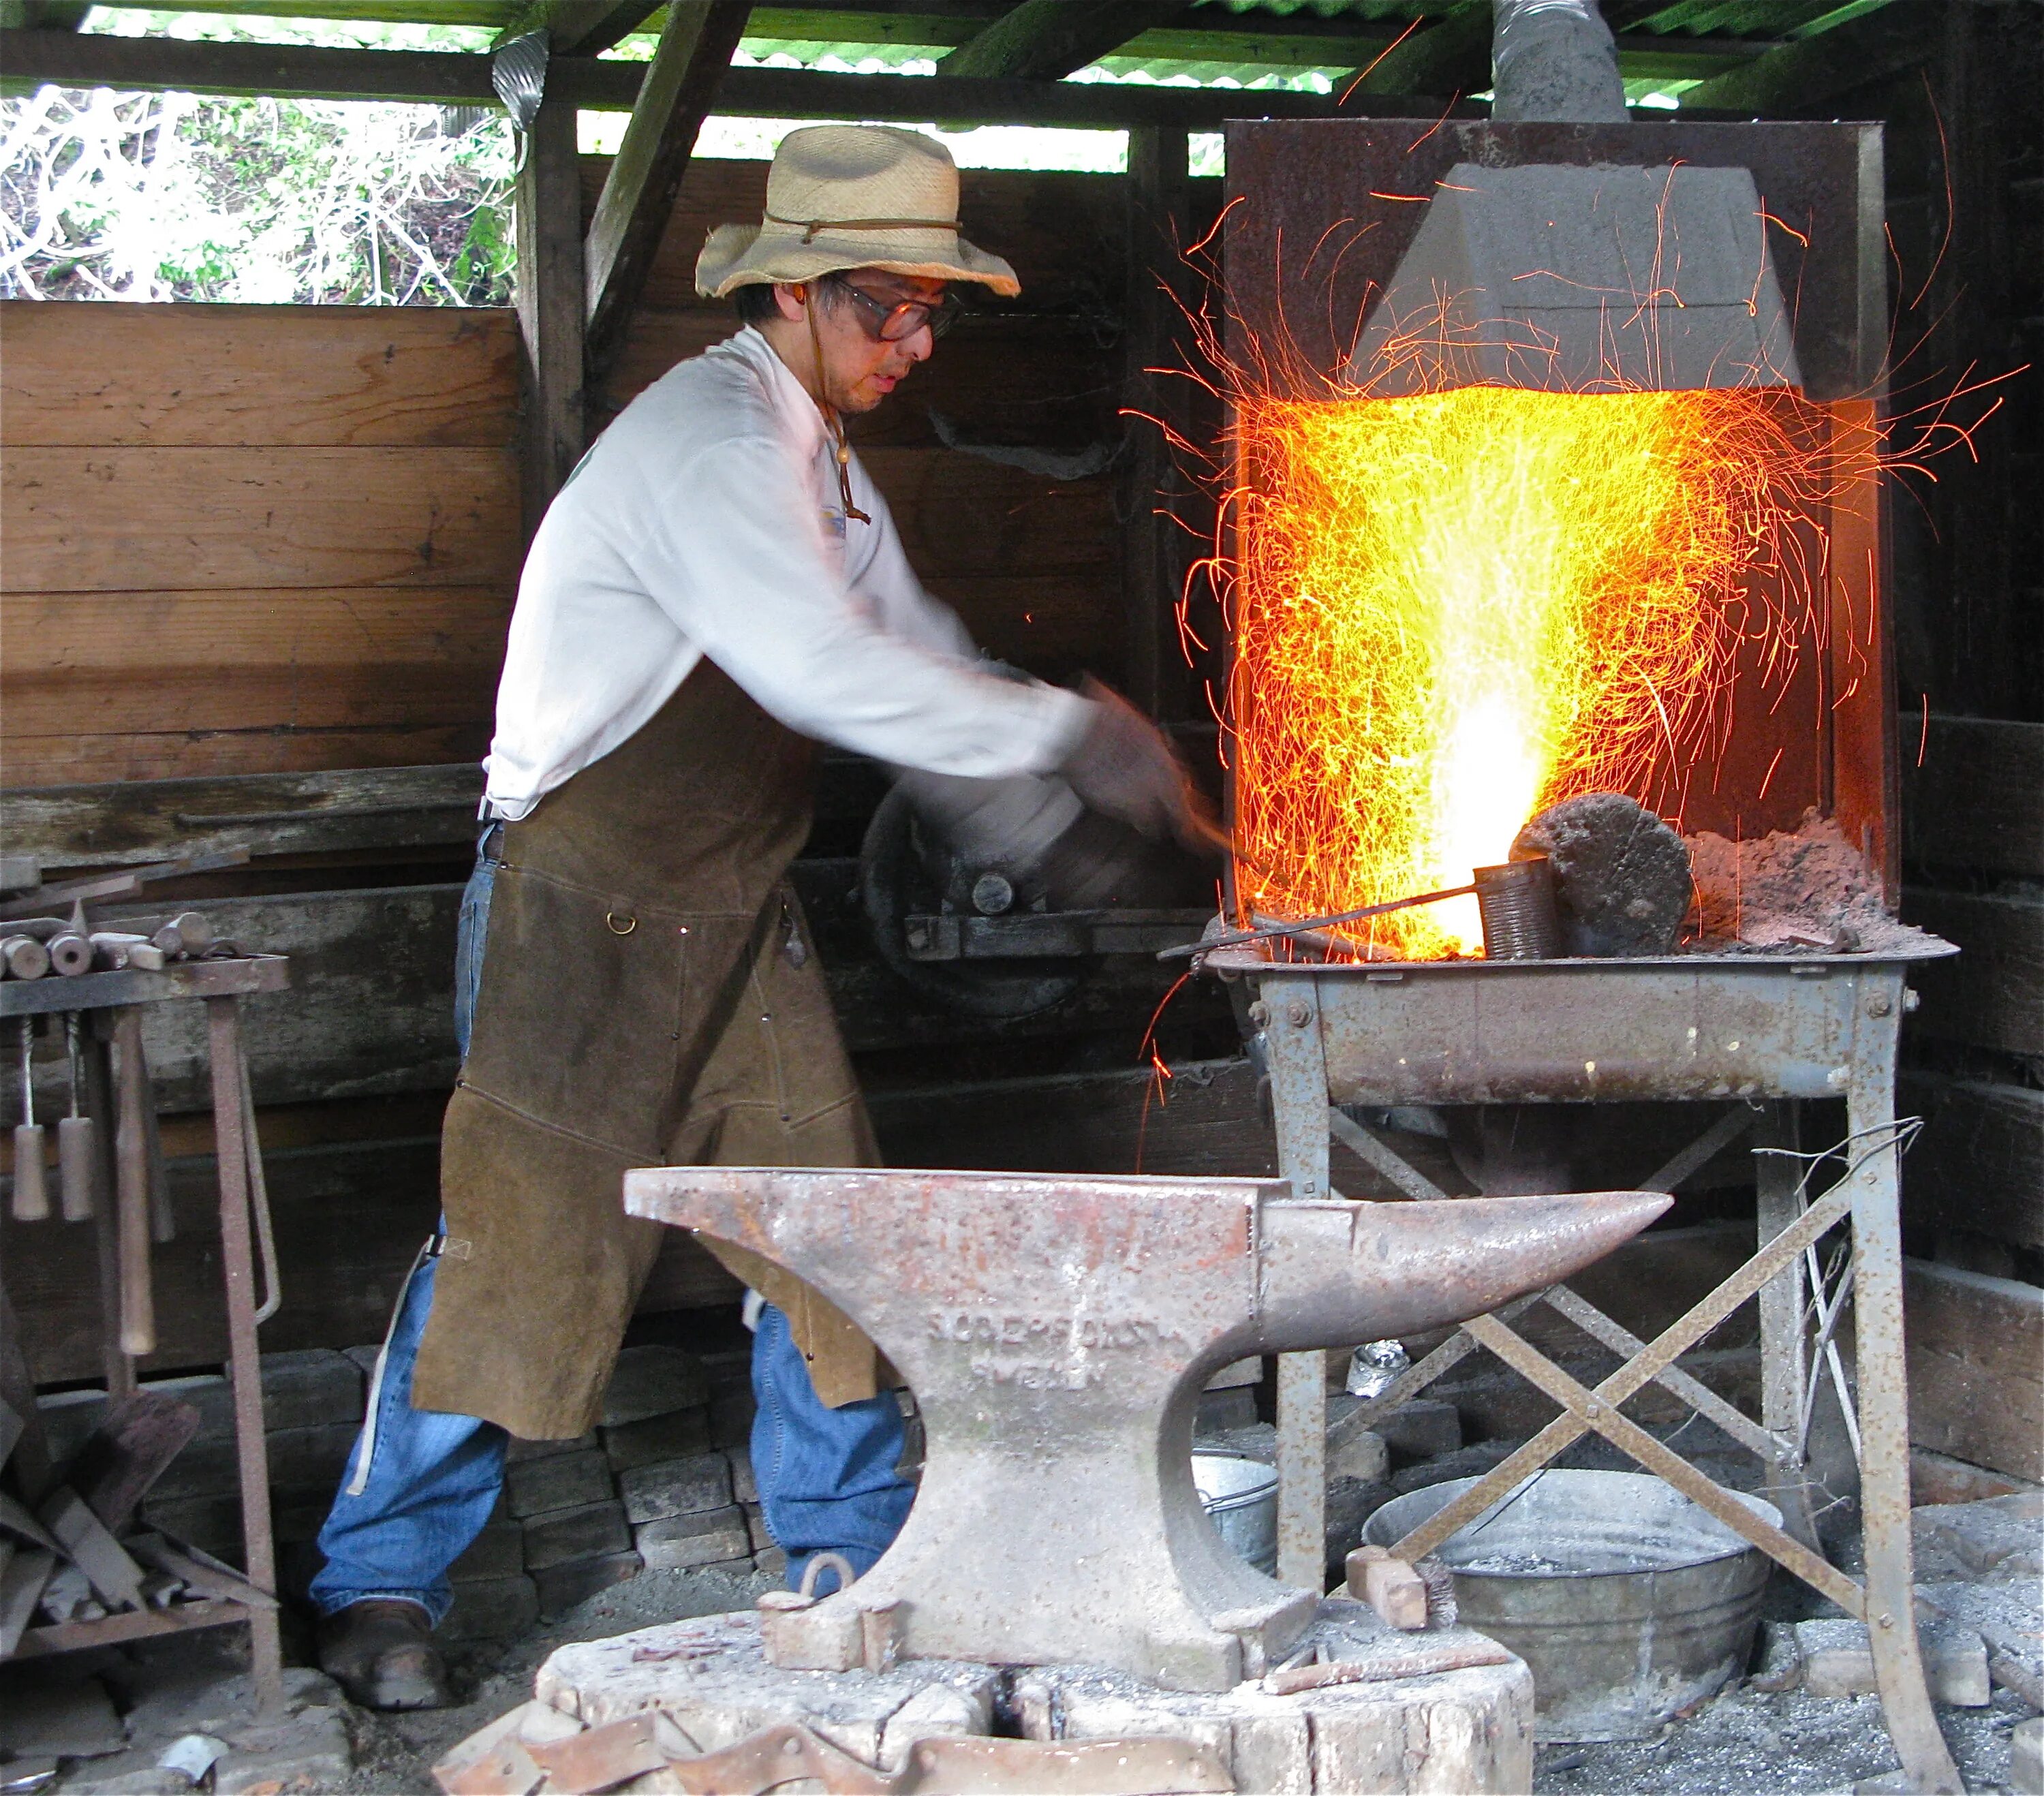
x=1883, y=1392
x=244, y=1366
x=96, y=1060
x=1784, y=1371
x=1287, y=1014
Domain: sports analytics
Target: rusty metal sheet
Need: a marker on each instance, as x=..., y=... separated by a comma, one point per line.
x=1582, y=1031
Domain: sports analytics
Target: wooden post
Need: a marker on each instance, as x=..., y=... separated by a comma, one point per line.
x=550, y=305
x=1157, y=549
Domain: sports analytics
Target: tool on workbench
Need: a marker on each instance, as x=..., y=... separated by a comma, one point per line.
x=70, y=953
x=187, y=936
x=131, y=1155
x=113, y=950
x=77, y=1142
x=23, y=957
x=32, y=1194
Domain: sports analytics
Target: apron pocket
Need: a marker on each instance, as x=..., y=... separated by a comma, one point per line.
x=578, y=1023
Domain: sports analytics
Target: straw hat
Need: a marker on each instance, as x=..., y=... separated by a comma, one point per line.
x=852, y=196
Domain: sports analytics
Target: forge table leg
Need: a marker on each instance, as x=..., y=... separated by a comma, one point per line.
x=1883, y=1392
x=1783, y=1371
x=237, y=1259
x=1287, y=1013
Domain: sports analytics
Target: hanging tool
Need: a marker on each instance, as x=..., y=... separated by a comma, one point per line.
x=131, y=1154
x=78, y=1146
x=32, y=1194
x=23, y=957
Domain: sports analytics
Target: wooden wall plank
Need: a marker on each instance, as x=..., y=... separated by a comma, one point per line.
x=112, y=825
x=1976, y=1367
x=1979, y=1164
x=93, y=757
x=249, y=376
x=1991, y=995
x=112, y=520
x=297, y=659
x=1976, y=800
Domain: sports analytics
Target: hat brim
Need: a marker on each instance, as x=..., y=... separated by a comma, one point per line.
x=738, y=256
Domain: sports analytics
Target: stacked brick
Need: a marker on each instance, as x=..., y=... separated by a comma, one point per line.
x=663, y=1482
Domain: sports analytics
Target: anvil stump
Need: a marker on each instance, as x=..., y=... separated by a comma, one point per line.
x=1057, y=1332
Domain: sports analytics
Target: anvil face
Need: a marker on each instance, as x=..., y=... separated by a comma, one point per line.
x=1057, y=1331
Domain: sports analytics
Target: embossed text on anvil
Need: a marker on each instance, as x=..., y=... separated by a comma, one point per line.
x=987, y=1329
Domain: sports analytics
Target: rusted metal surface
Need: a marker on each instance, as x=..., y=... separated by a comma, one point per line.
x=1058, y=1332
x=185, y=979
x=1572, y=1031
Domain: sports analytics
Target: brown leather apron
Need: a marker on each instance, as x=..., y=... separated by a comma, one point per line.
x=648, y=998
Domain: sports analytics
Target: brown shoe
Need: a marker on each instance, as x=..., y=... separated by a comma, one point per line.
x=380, y=1652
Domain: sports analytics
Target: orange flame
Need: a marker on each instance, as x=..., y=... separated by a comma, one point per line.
x=1453, y=609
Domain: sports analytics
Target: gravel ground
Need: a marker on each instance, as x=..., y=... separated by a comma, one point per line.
x=1748, y=1742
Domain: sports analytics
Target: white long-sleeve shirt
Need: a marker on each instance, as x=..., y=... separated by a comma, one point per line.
x=707, y=521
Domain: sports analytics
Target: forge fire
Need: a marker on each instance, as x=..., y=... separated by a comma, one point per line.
x=1455, y=609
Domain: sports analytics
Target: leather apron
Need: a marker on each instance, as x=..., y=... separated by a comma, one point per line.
x=648, y=998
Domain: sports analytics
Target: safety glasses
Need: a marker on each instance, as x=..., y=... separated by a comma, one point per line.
x=891, y=323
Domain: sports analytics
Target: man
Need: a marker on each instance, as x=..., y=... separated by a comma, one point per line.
x=717, y=587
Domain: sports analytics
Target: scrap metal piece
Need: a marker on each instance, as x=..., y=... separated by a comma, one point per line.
x=1058, y=1332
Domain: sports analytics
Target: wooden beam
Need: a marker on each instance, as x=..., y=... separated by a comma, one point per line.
x=580, y=28
x=28, y=59
x=646, y=174
x=1155, y=546
x=1797, y=79
x=1047, y=40
x=1972, y=795
x=550, y=305
x=1451, y=57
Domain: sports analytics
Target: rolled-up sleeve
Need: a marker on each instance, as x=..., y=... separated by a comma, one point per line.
x=732, y=553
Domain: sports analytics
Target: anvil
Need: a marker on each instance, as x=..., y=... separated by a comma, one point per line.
x=1057, y=1332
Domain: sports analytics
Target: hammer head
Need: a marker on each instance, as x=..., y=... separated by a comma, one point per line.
x=1057, y=1331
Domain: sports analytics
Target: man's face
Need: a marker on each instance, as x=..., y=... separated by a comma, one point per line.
x=860, y=369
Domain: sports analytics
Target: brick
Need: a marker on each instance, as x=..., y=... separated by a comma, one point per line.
x=1836, y=1661
x=584, y=1532
x=562, y=1587
x=1418, y=1430
x=652, y=1381
x=309, y=1751
x=731, y=1414
x=212, y=1521
x=497, y=1551
x=565, y=1481
x=300, y=1458
x=744, y=1489
x=2026, y=1757
x=772, y=1561
x=666, y=1551
x=492, y=1609
x=518, y=1451
x=728, y=1370
x=676, y=1487
x=365, y=1357
x=755, y=1526
x=647, y=1443
x=1233, y=1407
x=313, y=1388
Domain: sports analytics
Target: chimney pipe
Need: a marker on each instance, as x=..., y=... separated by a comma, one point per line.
x=1553, y=62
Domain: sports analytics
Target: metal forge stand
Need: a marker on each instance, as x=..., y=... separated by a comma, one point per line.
x=1766, y=1031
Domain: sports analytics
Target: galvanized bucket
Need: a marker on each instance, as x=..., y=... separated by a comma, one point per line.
x=1241, y=1495
x=1629, y=1602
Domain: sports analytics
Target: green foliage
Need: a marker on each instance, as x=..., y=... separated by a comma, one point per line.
x=171, y=196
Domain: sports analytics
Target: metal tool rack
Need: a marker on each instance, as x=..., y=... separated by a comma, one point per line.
x=221, y=984
x=1768, y=1031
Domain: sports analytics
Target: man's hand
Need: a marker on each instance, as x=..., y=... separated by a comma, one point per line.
x=1122, y=766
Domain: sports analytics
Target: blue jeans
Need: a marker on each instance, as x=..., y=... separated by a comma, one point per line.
x=420, y=1484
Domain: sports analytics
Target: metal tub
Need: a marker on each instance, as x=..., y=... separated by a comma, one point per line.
x=1240, y=1497
x=1630, y=1603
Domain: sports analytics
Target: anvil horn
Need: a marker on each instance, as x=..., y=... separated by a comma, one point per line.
x=1334, y=1273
